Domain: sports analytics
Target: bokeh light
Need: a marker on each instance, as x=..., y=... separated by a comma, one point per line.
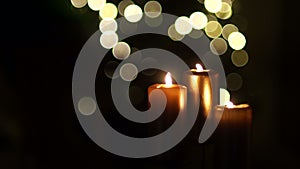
x=128, y=72
x=183, y=25
x=196, y=34
x=109, y=39
x=108, y=25
x=225, y=12
x=213, y=29
x=122, y=5
x=173, y=34
x=218, y=46
x=234, y=81
x=224, y=96
x=133, y=13
x=239, y=58
x=87, y=106
x=228, y=29
x=213, y=6
x=236, y=40
x=108, y=11
x=121, y=51
x=198, y=20
x=78, y=3
x=152, y=9
x=96, y=5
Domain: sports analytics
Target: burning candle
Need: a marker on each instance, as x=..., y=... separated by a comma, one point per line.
x=176, y=96
x=233, y=135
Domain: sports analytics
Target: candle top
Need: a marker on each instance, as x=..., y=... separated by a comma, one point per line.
x=233, y=106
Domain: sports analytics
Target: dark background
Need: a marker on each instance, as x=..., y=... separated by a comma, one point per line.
x=40, y=42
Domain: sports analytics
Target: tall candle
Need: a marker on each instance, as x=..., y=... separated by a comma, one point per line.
x=203, y=91
x=233, y=135
x=176, y=96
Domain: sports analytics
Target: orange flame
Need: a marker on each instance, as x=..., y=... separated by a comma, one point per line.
x=168, y=79
x=199, y=67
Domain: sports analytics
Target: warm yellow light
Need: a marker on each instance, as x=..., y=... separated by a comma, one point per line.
x=198, y=20
x=183, y=25
x=199, y=67
x=225, y=12
x=78, y=3
x=108, y=25
x=133, y=13
x=108, y=11
x=122, y=5
x=229, y=105
x=224, y=96
x=228, y=29
x=236, y=40
x=96, y=5
x=239, y=58
x=121, y=51
x=213, y=6
x=173, y=34
x=152, y=9
x=218, y=46
x=168, y=79
x=213, y=29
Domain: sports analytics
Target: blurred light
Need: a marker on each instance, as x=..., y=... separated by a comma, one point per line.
x=78, y=3
x=183, y=25
x=213, y=29
x=236, y=40
x=234, y=81
x=108, y=25
x=228, y=29
x=128, y=72
x=224, y=96
x=213, y=6
x=108, y=11
x=127, y=27
x=152, y=9
x=199, y=67
x=87, y=106
x=196, y=34
x=225, y=12
x=110, y=68
x=133, y=13
x=109, y=39
x=230, y=105
x=154, y=22
x=173, y=34
x=168, y=79
x=218, y=46
x=96, y=5
x=122, y=5
x=121, y=51
x=198, y=20
x=211, y=17
x=239, y=58
x=229, y=2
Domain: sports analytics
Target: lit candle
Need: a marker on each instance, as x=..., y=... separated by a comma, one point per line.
x=203, y=94
x=233, y=134
x=176, y=96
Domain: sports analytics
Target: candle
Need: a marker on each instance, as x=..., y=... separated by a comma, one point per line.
x=202, y=92
x=176, y=96
x=232, y=136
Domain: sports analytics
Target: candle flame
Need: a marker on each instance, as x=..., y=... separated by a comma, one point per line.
x=168, y=79
x=199, y=67
x=229, y=104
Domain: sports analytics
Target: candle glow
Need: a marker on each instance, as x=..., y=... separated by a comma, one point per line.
x=168, y=80
x=199, y=67
x=229, y=105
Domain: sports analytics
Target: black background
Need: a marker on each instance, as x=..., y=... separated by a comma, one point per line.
x=41, y=40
